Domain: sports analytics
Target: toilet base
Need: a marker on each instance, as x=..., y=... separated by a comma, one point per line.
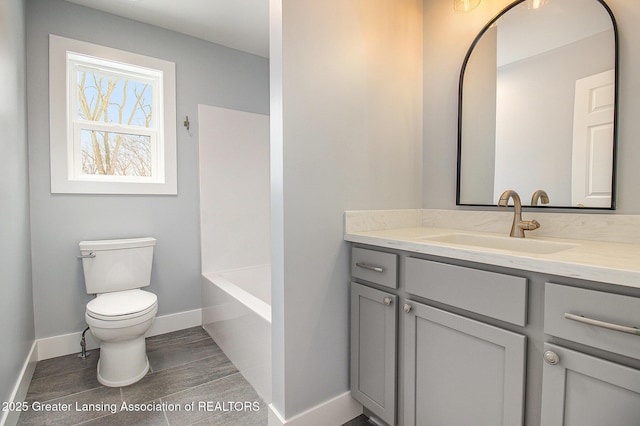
x=122, y=363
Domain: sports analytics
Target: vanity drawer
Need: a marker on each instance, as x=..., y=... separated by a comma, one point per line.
x=375, y=266
x=495, y=295
x=570, y=312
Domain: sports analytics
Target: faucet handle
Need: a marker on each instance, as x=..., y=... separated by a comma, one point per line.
x=541, y=196
x=529, y=225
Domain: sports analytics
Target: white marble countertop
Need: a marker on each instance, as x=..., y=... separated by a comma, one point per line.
x=609, y=262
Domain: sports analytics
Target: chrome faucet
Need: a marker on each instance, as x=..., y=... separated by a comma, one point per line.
x=539, y=195
x=519, y=226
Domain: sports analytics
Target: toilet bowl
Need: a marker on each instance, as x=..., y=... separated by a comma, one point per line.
x=121, y=313
x=119, y=320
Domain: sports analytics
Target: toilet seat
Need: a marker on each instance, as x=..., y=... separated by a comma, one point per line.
x=122, y=305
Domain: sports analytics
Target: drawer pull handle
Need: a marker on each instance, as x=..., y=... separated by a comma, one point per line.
x=388, y=301
x=369, y=267
x=603, y=324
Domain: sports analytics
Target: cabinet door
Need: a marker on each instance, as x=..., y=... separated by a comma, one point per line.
x=458, y=371
x=374, y=317
x=582, y=390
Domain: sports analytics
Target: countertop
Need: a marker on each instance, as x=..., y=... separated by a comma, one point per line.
x=608, y=262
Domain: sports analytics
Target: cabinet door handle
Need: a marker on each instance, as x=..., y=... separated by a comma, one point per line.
x=370, y=267
x=603, y=324
x=388, y=301
x=407, y=308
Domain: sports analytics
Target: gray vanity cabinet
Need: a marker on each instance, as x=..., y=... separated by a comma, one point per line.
x=582, y=390
x=455, y=370
x=476, y=345
x=458, y=371
x=374, y=317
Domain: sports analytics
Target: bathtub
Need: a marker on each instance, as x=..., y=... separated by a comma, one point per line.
x=237, y=315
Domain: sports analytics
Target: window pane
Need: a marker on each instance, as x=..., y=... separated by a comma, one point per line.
x=114, y=99
x=117, y=154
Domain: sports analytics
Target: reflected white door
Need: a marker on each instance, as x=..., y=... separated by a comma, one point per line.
x=592, y=165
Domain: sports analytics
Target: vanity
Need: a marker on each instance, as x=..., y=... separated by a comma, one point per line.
x=456, y=326
x=457, y=321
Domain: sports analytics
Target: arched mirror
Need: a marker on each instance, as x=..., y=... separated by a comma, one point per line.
x=537, y=107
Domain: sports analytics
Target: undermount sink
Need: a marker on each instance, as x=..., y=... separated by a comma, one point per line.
x=502, y=243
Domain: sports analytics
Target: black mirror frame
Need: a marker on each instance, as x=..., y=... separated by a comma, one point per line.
x=615, y=114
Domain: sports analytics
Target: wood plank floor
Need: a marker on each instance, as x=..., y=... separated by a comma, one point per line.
x=188, y=371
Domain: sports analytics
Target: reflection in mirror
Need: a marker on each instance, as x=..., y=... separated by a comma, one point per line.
x=537, y=106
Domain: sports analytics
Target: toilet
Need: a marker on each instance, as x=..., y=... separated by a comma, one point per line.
x=121, y=313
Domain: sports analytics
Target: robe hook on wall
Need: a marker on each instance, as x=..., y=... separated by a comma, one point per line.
x=186, y=122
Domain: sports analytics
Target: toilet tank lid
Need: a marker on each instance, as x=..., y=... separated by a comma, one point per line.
x=117, y=244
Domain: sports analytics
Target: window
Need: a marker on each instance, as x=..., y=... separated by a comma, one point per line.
x=112, y=121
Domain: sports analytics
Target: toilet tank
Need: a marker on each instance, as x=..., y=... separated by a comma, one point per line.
x=118, y=265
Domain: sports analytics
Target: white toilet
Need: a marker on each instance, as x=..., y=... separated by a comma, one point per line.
x=121, y=314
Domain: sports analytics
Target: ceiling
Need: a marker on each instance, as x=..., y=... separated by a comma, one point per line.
x=524, y=33
x=239, y=24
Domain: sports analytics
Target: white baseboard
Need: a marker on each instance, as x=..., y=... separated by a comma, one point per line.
x=10, y=418
x=336, y=411
x=65, y=344
x=175, y=322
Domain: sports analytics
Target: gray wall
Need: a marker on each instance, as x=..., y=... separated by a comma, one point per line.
x=529, y=156
x=16, y=303
x=448, y=35
x=479, y=121
x=206, y=74
x=346, y=126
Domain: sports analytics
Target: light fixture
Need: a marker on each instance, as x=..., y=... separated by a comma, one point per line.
x=465, y=5
x=536, y=4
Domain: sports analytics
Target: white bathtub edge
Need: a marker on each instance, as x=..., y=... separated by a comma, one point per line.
x=240, y=323
x=336, y=411
x=254, y=303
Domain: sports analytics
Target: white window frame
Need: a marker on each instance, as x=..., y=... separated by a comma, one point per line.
x=66, y=57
